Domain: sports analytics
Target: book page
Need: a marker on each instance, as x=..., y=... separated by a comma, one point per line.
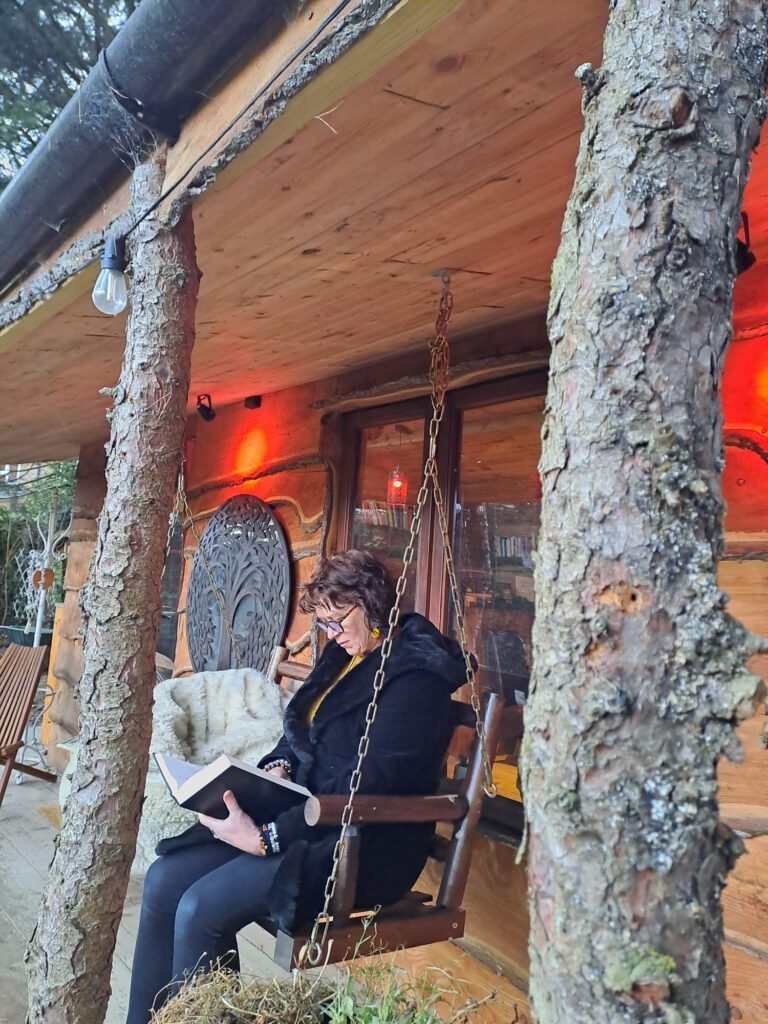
x=176, y=771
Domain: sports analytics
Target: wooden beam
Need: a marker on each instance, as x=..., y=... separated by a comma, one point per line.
x=397, y=30
x=748, y=819
x=35, y=773
x=43, y=311
x=513, y=348
x=373, y=810
x=418, y=928
x=473, y=372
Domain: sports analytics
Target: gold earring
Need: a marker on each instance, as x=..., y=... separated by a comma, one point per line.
x=375, y=632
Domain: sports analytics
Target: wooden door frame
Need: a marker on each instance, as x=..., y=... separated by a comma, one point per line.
x=507, y=389
x=432, y=592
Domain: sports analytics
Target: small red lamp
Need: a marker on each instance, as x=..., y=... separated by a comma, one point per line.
x=397, y=488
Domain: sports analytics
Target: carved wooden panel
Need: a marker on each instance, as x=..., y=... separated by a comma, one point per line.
x=248, y=558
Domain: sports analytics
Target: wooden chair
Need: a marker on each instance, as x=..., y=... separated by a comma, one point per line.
x=288, y=674
x=20, y=669
x=415, y=920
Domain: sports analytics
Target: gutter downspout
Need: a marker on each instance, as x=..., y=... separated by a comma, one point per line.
x=156, y=70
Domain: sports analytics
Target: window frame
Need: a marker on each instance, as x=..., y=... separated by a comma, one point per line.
x=503, y=822
x=432, y=590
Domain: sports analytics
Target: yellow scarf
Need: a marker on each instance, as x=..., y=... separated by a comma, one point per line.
x=312, y=709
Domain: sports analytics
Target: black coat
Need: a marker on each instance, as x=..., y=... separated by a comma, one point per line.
x=407, y=745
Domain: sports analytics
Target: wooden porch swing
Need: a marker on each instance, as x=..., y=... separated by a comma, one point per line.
x=341, y=930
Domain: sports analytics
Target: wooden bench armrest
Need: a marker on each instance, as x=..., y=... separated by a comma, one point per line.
x=379, y=810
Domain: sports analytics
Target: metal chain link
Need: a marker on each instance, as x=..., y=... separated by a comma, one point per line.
x=438, y=375
x=181, y=498
x=312, y=951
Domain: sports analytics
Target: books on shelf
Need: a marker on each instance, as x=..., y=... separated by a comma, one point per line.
x=201, y=788
x=381, y=513
x=519, y=548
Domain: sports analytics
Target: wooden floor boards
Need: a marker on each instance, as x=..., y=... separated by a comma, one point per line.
x=26, y=848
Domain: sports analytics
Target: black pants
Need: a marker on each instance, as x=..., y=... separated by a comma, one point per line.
x=195, y=901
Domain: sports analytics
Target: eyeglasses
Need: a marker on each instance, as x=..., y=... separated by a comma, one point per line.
x=332, y=628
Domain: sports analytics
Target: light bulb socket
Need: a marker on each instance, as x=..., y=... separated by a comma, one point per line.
x=113, y=257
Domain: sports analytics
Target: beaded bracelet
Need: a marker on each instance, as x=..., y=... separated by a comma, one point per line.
x=280, y=762
x=270, y=838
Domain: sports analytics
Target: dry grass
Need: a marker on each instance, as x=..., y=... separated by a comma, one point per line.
x=376, y=993
x=222, y=997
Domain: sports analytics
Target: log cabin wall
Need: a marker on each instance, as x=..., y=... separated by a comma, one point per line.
x=271, y=452
x=281, y=453
x=743, y=575
x=90, y=487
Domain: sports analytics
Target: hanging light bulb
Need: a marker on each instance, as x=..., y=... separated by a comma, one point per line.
x=397, y=488
x=110, y=294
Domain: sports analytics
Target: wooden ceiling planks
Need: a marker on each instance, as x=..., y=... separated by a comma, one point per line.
x=371, y=249
x=316, y=259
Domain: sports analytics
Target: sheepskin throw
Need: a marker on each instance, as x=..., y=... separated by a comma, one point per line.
x=237, y=712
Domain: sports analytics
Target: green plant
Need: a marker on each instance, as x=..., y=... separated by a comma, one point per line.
x=376, y=991
x=23, y=524
x=382, y=994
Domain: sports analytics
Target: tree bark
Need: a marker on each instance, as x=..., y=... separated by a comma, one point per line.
x=639, y=670
x=70, y=956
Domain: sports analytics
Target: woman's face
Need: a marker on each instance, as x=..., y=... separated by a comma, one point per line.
x=355, y=636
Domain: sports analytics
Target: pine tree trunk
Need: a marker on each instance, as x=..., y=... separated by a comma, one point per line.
x=639, y=670
x=70, y=956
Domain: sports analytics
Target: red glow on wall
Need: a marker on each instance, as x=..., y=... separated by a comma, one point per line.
x=250, y=451
x=761, y=384
x=745, y=384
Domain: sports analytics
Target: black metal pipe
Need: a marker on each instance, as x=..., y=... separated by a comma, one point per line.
x=156, y=70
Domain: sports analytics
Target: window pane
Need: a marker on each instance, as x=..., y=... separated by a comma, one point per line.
x=495, y=526
x=391, y=459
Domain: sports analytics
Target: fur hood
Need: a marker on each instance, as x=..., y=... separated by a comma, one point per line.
x=418, y=648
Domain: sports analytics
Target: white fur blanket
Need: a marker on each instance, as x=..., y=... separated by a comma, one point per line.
x=237, y=712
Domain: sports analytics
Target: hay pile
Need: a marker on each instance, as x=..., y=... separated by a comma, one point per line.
x=376, y=993
x=222, y=997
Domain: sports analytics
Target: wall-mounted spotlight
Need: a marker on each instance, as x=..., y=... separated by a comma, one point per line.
x=205, y=408
x=744, y=255
x=110, y=294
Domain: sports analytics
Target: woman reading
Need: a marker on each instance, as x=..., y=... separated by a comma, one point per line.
x=220, y=875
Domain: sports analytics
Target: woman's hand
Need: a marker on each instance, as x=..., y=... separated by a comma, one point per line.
x=279, y=771
x=237, y=828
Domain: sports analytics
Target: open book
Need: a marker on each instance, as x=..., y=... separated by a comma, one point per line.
x=261, y=795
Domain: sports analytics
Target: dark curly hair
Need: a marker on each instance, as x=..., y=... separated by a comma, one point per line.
x=352, y=577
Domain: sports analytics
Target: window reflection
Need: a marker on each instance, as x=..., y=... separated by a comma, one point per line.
x=391, y=457
x=496, y=521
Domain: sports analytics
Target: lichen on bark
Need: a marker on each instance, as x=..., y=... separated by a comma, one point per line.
x=70, y=955
x=639, y=671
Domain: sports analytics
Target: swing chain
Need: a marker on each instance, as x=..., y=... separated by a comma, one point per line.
x=183, y=504
x=439, y=363
x=312, y=951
